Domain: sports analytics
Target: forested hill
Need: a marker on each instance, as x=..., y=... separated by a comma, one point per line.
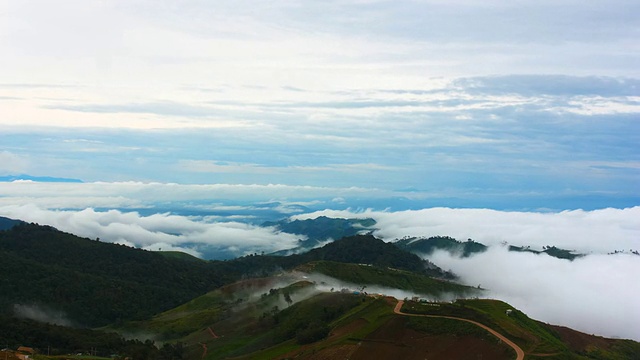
x=447, y=243
x=366, y=249
x=6, y=223
x=95, y=283
x=323, y=228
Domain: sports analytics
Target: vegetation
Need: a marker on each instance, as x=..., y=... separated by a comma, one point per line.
x=321, y=229
x=199, y=309
x=59, y=340
x=429, y=245
x=366, y=249
x=549, y=250
x=529, y=334
x=91, y=282
x=95, y=283
x=389, y=277
x=6, y=223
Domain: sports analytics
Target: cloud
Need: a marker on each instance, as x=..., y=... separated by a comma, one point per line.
x=170, y=232
x=42, y=314
x=596, y=294
x=599, y=231
x=140, y=195
x=12, y=164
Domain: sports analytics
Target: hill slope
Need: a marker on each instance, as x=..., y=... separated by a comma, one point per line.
x=90, y=282
x=6, y=223
x=429, y=245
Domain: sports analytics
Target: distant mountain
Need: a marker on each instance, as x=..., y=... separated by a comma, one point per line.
x=549, y=250
x=366, y=249
x=6, y=223
x=11, y=178
x=319, y=230
x=427, y=246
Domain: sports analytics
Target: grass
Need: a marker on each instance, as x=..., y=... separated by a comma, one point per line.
x=529, y=334
x=179, y=255
x=387, y=277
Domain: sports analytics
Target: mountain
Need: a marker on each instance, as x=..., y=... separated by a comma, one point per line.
x=91, y=283
x=549, y=250
x=321, y=229
x=288, y=316
x=322, y=304
x=426, y=246
x=6, y=223
x=11, y=178
x=366, y=249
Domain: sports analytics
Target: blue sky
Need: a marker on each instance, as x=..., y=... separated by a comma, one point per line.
x=526, y=105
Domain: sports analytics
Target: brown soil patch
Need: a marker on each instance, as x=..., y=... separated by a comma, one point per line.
x=395, y=341
x=331, y=353
x=347, y=329
x=8, y=355
x=579, y=341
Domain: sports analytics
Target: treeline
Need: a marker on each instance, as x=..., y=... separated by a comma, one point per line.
x=54, y=340
x=95, y=283
x=431, y=244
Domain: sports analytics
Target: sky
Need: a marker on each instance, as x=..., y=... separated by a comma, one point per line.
x=190, y=123
x=519, y=105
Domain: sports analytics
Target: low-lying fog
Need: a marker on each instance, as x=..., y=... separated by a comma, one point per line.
x=596, y=294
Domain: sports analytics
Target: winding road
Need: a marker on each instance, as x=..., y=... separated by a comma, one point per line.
x=519, y=351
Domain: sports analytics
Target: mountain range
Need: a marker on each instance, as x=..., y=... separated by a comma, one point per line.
x=64, y=294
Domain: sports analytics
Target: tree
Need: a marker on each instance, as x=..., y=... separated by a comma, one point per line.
x=287, y=298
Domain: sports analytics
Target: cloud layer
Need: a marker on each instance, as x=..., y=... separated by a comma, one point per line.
x=599, y=231
x=159, y=231
x=596, y=294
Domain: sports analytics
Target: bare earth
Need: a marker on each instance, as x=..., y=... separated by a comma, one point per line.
x=518, y=350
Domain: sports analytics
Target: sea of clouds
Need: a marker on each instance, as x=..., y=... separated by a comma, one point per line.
x=594, y=294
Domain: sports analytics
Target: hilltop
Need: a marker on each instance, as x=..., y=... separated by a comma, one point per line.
x=429, y=245
x=315, y=232
x=93, y=283
x=332, y=301
x=6, y=223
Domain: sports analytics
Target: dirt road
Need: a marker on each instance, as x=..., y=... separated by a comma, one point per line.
x=519, y=352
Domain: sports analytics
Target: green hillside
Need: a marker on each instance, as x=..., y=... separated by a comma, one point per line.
x=279, y=309
x=6, y=223
x=389, y=278
x=94, y=283
x=366, y=249
x=538, y=339
x=91, y=282
x=323, y=228
x=426, y=246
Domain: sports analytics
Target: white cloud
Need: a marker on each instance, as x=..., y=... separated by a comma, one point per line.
x=12, y=164
x=594, y=294
x=598, y=231
x=597, y=294
x=158, y=230
x=137, y=194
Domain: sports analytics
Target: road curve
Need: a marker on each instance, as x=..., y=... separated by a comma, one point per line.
x=519, y=351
